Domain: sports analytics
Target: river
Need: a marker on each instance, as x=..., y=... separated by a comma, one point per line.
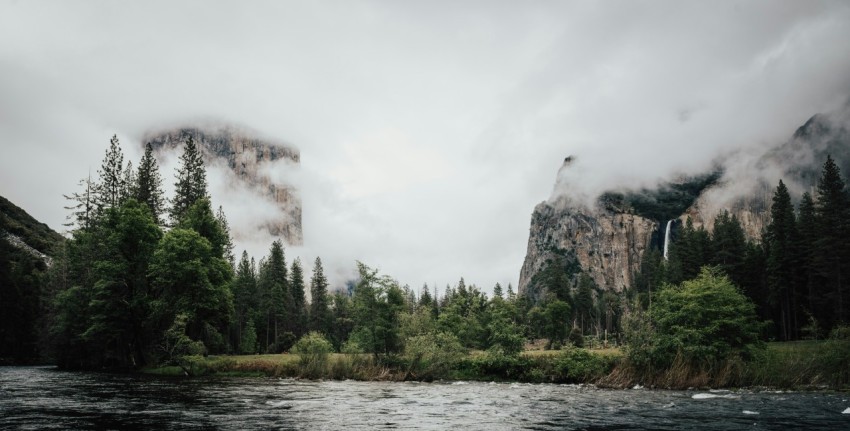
x=40, y=398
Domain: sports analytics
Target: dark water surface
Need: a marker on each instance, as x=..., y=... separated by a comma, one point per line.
x=42, y=398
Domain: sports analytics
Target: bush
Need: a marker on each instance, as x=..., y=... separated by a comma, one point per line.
x=313, y=350
x=578, y=365
x=703, y=321
x=431, y=355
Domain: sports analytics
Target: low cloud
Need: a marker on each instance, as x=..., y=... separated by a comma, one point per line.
x=427, y=131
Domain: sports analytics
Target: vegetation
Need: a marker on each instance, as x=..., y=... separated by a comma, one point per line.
x=128, y=292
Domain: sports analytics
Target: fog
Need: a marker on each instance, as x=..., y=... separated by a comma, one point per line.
x=427, y=130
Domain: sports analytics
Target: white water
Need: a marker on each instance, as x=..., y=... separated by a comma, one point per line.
x=667, y=238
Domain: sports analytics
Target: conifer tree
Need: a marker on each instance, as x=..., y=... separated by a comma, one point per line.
x=781, y=234
x=320, y=317
x=129, y=183
x=298, y=309
x=273, y=285
x=84, y=208
x=111, y=172
x=225, y=227
x=497, y=291
x=831, y=260
x=807, y=229
x=191, y=182
x=148, y=188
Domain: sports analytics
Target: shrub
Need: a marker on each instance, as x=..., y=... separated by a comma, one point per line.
x=578, y=365
x=313, y=350
x=704, y=321
x=431, y=355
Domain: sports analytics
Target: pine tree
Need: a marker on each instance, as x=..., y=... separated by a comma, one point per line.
x=298, y=309
x=225, y=227
x=497, y=291
x=320, y=317
x=781, y=234
x=274, y=289
x=728, y=246
x=84, y=208
x=148, y=188
x=111, y=185
x=831, y=215
x=245, y=299
x=191, y=182
x=807, y=229
x=129, y=183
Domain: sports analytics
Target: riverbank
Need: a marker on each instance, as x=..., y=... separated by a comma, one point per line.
x=793, y=365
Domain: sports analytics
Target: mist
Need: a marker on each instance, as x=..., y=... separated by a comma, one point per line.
x=427, y=130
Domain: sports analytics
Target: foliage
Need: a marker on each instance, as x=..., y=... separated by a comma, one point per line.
x=705, y=320
x=432, y=355
x=313, y=350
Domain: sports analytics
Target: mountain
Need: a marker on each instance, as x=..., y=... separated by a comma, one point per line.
x=26, y=247
x=254, y=164
x=607, y=239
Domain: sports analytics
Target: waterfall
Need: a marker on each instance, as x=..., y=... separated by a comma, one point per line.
x=667, y=238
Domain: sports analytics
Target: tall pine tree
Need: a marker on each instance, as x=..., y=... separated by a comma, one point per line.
x=148, y=188
x=833, y=249
x=781, y=237
x=320, y=315
x=191, y=182
x=111, y=186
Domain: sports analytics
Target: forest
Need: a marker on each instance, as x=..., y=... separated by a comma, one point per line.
x=145, y=280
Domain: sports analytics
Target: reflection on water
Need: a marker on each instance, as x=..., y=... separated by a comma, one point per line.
x=43, y=398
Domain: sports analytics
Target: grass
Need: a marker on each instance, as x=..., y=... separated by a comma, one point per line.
x=797, y=365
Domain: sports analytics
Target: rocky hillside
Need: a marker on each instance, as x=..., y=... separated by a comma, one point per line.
x=26, y=247
x=250, y=160
x=607, y=240
x=26, y=234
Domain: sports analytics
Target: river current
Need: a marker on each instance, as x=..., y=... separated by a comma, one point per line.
x=40, y=398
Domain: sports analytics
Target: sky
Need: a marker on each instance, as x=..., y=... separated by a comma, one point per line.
x=428, y=130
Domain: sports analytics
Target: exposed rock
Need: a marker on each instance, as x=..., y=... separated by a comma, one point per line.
x=608, y=240
x=249, y=158
x=607, y=245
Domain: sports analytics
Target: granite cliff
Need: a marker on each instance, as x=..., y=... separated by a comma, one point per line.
x=251, y=161
x=607, y=239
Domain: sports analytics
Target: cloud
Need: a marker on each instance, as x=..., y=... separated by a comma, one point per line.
x=428, y=131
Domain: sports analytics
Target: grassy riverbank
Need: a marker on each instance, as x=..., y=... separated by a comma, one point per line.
x=808, y=364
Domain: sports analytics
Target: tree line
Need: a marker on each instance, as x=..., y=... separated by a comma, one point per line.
x=796, y=274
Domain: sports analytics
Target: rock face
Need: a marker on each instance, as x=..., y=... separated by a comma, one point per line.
x=255, y=164
x=606, y=245
x=607, y=240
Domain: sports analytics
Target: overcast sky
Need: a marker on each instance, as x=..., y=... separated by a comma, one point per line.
x=428, y=130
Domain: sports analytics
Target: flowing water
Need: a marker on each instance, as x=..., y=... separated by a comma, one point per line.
x=43, y=398
x=667, y=239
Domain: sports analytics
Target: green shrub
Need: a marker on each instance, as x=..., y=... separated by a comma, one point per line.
x=431, y=355
x=313, y=350
x=579, y=366
x=703, y=321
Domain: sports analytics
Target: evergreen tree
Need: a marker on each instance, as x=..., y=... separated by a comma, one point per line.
x=228, y=243
x=320, y=317
x=129, y=183
x=276, y=302
x=199, y=217
x=833, y=249
x=148, y=188
x=497, y=291
x=111, y=185
x=781, y=234
x=728, y=246
x=84, y=208
x=298, y=309
x=245, y=301
x=191, y=182
x=807, y=229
